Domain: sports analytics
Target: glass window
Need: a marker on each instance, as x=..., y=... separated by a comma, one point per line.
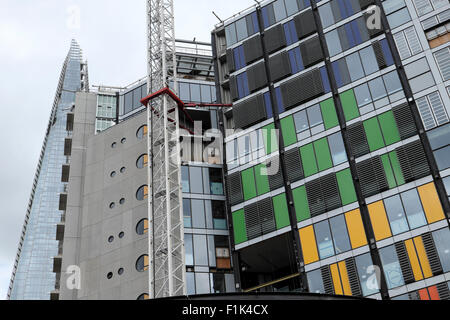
x=315, y=116
x=413, y=208
x=142, y=132
x=392, y=82
x=189, y=249
x=337, y=148
x=279, y=10
x=326, y=15
x=206, y=94
x=323, y=238
x=439, y=137
x=340, y=234
x=201, y=250
x=398, y=18
x=447, y=185
x=369, y=61
x=190, y=283
x=142, y=263
x=198, y=214
x=396, y=215
x=142, y=193
x=315, y=282
x=215, y=178
x=354, y=66
x=333, y=43
x=362, y=95
x=206, y=183
x=367, y=276
x=377, y=89
x=202, y=283
x=142, y=227
x=195, y=93
x=184, y=91
x=230, y=34
x=195, y=180
x=391, y=266
x=218, y=213
x=443, y=158
x=218, y=282
x=187, y=214
x=301, y=121
x=185, y=179
x=142, y=161
x=208, y=215
x=241, y=29
x=442, y=242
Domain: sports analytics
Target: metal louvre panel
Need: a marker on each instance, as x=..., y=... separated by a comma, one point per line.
x=257, y=77
x=417, y=160
x=379, y=54
x=443, y=291
x=358, y=140
x=253, y=49
x=327, y=280
x=252, y=222
x=402, y=255
x=404, y=165
x=380, y=175
x=294, y=163
x=302, y=88
x=276, y=180
x=266, y=216
x=311, y=51
x=275, y=39
x=235, y=188
x=353, y=277
x=249, y=112
x=330, y=192
x=405, y=121
x=279, y=66
x=315, y=198
x=305, y=24
x=233, y=88
x=433, y=257
x=372, y=177
x=230, y=61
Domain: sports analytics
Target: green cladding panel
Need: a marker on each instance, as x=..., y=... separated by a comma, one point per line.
x=397, y=168
x=388, y=171
x=346, y=187
x=373, y=134
x=389, y=128
x=301, y=204
x=281, y=211
x=329, y=114
x=349, y=105
x=262, y=179
x=270, y=138
x=240, y=233
x=248, y=184
x=288, y=130
x=309, y=160
x=323, y=154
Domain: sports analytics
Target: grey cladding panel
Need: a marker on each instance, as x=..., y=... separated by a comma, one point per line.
x=279, y=66
x=311, y=52
x=249, y=112
x=294, y=165
x=275, y=39
x=405, y=121
x=257, y=77
x=235, y=188
x=252, y=222
x=330, y=192
x=379, y=55
x=266, y=216
x=275, y=180
x=305, y=24
x=253, y=49
x=305, y=87
x=413, y=161
x=357, y=139
x=233, y=88
x=404, y=262
x=230, y=61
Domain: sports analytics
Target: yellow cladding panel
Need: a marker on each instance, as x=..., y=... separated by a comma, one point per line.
x=336, y=279
x=423, y=258
x=431, y=203
x=344, y=278
x=380, y=223
x=309, y=247
x=356, y=229
x=415, y=265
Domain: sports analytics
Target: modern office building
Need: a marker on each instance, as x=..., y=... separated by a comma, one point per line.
x=104, y=232
x=353, y=198
x=32, y=276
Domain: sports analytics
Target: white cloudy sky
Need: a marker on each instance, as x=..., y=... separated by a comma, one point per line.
x=35, y=36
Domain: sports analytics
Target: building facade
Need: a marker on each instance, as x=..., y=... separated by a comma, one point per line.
x=33, y=277
x=353, y=198
x=104, y=237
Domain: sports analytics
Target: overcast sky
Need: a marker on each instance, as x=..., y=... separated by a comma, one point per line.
x=35, y=37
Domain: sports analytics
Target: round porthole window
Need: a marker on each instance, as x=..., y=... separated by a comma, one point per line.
x=109, y=275
x=122, y=201
x=113, y=174
x=142, y=227
x=142, y=263
x=123, y=169
x=142, y=161
x=113, y=145
x=112, y=205
x=142, y=132
x=123, y=140
x=110, y=239
x=142, y=193
x=121, y=235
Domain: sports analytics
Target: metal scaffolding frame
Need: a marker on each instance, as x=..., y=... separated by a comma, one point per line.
x=166, y=235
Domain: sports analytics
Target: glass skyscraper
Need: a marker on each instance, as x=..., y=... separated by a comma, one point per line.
x=33, y=277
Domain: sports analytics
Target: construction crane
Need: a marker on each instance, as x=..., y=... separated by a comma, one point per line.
x=167, y=270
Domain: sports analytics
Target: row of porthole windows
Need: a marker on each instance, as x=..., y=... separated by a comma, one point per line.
x=112, y=205
x=114, y=173
x=110, y=274
x=114, y=144
x=111, y=238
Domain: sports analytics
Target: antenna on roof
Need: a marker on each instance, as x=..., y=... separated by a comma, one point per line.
x=217, y=17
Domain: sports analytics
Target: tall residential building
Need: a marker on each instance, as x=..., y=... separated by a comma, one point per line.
x=360, y=100
x=105, y=229
x=33, y=277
